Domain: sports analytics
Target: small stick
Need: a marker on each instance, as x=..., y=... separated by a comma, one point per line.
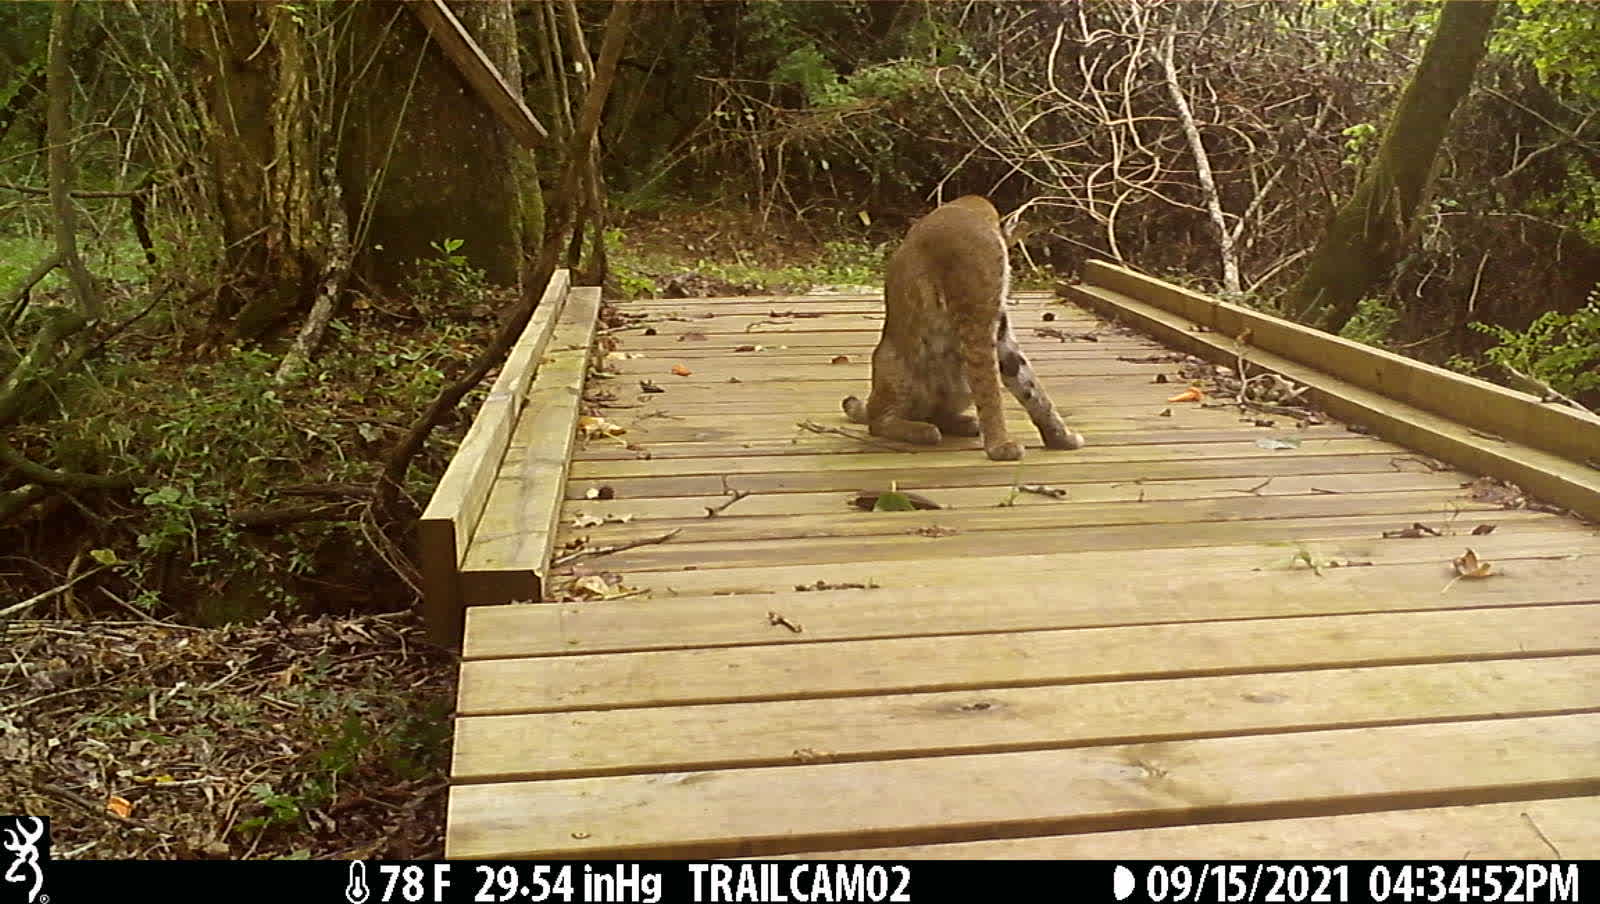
x=836, y=431
x=712, y=511
x=608, y=550
x=774, y=618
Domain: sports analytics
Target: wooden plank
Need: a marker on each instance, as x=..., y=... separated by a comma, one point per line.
x=1121, y=589
x=1559, y=429
x=691, y=436
x=682, y=553
x=1100, y=568
x=1034, y=470
x=446, y=527
x=855, y=341
x=726, y=736
x=759, y=444
x=978, y=661
x=1561, y=476
x=753, y=368
x=513, y=541
x=479, y=72
x=647, y=509
x=1520, y=830
x=783, y=809
x=1444, y=512
x=1309, y=447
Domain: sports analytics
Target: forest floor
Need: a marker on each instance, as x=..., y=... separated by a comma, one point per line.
x=299, y=736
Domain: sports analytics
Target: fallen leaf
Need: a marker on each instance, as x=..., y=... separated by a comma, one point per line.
x=582, y=521
x=893, y=502
x=681, y=371
x=649, y=331
x=1192, y=394
x=867, y=500
x=1048, y=316
x=1417, y=530
x=120, y=806
x=824, y=585
x=591, y=427
x=1165, y=412
x=840, y=359
x=1482, y=529
x=1468, y=565
x=1276, y=443
x=748, y=348
x=692, y=337
x=649, y=386
x=1160, y=378
x=934, y=530
x=1042, y=490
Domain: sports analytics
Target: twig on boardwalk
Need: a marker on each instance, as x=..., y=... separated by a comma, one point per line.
x=713, y=510
x=849, y=434
x=608, y=550
x=774, y=618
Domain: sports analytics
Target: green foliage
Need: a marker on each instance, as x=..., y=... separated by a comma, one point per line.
x=447, y=282
x=1559, y=350
x=1559, y=39
x=626, y=268
x=807, y=68
x=1578, y=200
x=1372, y=322
x=282, y=810
x=1359, y=140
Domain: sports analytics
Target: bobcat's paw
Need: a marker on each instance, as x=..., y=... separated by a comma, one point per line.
x=922, y=434
x=1066, y=439
x=1006, y=451
x=855, y=409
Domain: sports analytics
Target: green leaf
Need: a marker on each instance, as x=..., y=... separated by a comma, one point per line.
x=104, y=556
x=893, y=501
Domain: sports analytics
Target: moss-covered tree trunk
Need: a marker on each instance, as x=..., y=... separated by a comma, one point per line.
x=421, y=158
x=1368, y=234
x=250, y=66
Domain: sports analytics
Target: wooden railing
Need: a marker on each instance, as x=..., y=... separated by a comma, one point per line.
x=1549, y=450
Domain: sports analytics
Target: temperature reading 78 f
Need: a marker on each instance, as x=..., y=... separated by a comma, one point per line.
x=411, y=883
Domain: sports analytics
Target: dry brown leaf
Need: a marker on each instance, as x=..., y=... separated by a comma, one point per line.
x=840, y=359
x=1192, y=394
x=692, y=337
x=681, y=371
x=748, y=348
x=1468, y=565
x=1482, y=529
x=120, y=806
x=591, y=427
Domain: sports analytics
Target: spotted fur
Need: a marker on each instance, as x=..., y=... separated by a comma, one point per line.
x=947, y=342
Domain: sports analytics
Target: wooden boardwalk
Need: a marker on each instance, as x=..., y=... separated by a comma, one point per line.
x=1205, y=648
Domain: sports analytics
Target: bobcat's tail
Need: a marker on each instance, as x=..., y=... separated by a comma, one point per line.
x=855, y=409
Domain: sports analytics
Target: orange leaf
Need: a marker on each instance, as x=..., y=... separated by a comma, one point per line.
x=1192, y=394
x=681, y=371
x=121, y=806
x=841, y=359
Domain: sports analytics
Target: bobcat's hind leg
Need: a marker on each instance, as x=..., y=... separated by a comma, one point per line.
x=978, y=360
x=1020, y=381
x=957, y=424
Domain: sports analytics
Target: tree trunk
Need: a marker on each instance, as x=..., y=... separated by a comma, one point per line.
x=422, y=159
x=1368, y=235
x=250, y=66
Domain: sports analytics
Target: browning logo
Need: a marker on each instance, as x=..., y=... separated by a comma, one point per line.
x=26, y=842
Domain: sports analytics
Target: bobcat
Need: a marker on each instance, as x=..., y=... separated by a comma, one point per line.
x=947, y=341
